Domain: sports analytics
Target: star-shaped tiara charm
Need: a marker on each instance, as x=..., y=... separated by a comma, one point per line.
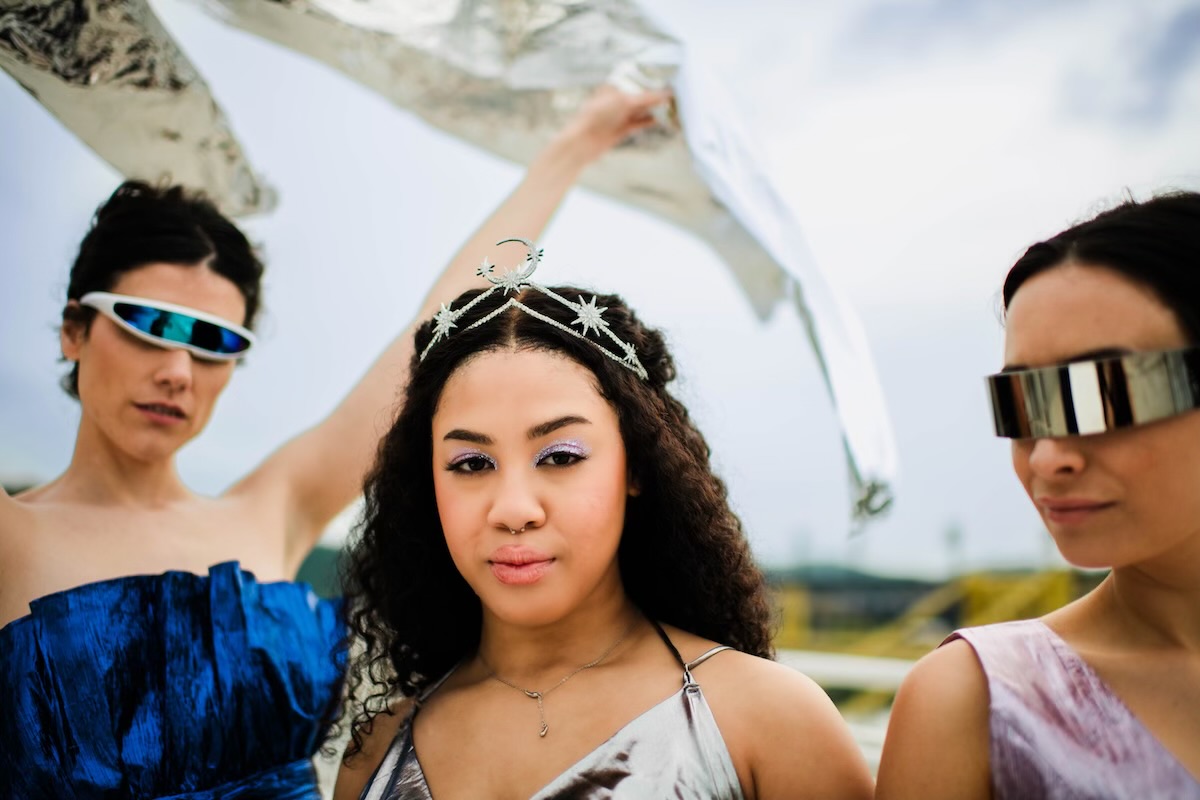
x=443, y=321
x=589, y=316
x=511, y=281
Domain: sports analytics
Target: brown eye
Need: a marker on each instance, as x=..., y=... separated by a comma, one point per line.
x=471, y=464
x=561, y=459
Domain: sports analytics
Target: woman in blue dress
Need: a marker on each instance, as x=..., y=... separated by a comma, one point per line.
x=153, y=644
x=554, y=597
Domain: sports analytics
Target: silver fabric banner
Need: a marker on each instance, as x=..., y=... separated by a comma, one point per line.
x=112, y=74
x=503, y=75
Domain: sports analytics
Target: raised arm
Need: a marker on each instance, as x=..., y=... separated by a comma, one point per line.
x=321, y=471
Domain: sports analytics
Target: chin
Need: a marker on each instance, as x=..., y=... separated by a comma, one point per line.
x=1084, y=553
x=526, y=609
x=155, y=448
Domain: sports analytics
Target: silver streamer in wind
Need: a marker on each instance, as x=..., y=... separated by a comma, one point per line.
x=112, y=74
x=503, y=75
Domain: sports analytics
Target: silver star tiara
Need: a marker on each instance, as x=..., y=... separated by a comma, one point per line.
x=587, y=316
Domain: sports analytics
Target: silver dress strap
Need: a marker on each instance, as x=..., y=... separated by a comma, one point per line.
x=688, y=680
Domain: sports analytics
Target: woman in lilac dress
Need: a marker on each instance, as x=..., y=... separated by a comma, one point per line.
x=1100, y=699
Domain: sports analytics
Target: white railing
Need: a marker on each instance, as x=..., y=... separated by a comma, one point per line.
x=840, y=671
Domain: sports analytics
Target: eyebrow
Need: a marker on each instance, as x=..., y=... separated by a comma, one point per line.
x=1090, y=355
x=546, y=428
x=536, y=432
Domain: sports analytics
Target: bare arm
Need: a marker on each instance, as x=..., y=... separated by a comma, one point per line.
x=937, y=739
x=783, y=732
x=320, y=472
x=805, y=749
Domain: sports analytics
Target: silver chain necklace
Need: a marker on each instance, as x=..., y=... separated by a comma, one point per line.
x=541, y=696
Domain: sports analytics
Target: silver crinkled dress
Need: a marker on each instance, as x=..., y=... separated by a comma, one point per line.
x=673, y=750
x=1058, y=731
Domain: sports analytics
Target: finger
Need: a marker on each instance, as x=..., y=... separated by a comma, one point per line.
x=650, y=99
x=638, y=124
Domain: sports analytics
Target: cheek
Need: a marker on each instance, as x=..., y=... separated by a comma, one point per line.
x=208, y=383
x=214, y=379
x=1021, y=449
x=597, y=507
x=105, y=377
x=456, y=512
x=1162, y=469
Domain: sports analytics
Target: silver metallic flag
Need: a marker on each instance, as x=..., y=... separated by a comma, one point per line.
x=113, y=75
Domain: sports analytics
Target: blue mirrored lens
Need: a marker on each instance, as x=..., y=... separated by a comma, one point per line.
x=182, y=329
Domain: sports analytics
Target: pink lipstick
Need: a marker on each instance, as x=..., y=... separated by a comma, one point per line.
x=519, y=565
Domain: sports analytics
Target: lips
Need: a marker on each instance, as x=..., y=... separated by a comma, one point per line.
x=1071, y=510
x=519, y=565
x=167, y=412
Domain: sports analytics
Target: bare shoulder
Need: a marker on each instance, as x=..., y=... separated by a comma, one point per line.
x=15, y=509
x=10, y=513
x=785, y=736
x=377, y=737
x=756, y=681
x=18, y=529
x=937, y=740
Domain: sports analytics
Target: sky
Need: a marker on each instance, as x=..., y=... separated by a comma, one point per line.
x=922, y=145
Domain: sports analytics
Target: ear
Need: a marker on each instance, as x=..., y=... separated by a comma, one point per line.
x=72, y=334
x=632, y=488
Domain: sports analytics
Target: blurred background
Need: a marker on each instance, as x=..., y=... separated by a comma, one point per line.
x=922, y=144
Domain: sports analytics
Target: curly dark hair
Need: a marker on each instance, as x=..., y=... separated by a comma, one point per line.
x=683, y=557
x=142, y=224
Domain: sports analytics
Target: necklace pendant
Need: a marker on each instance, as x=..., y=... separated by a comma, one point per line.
x=545, y=729
x=532, y=695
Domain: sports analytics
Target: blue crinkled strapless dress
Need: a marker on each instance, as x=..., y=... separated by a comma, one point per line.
x=174, y=686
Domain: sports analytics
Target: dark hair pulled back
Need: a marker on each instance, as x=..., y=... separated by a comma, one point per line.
x=1155, y=242
x=143, y=224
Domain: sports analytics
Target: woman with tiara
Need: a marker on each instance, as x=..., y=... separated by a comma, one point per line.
x=1099, y=393
x=554, y=597
x=152, y=642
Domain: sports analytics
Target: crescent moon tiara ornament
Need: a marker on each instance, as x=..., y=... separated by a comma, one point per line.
x=588, y=315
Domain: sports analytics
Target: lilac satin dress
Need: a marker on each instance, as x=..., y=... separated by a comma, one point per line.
x=673, y=750
x=1058, y=731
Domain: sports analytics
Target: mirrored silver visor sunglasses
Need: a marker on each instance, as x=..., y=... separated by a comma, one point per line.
x=1095, y=396
x=167, y=325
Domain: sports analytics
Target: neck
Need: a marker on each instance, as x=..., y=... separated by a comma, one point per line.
x=101, y=474
x=536, y=656
x=1157, y=604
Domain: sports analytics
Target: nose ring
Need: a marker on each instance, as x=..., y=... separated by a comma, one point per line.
x=523, y=527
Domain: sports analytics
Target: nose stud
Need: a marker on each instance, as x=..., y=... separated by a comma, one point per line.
x=514, y=533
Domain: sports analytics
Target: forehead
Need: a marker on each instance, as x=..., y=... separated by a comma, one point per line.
x=192, y=286
x=516, y=389
x=1075, y=309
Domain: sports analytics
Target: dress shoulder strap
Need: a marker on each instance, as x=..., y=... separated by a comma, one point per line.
x=706, y=656
x=688, y=666
x=433, y=687
x=670, y=645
